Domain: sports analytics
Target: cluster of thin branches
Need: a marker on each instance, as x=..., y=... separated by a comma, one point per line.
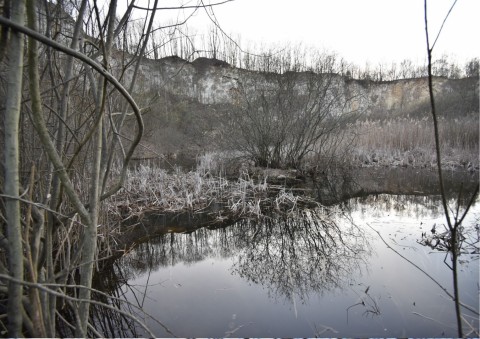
x=64, y=113
x=278, y=123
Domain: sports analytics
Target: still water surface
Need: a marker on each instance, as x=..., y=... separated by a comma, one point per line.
x=323, y=273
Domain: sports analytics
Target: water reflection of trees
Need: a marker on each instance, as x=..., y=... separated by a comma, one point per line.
x=115, y=317
x=418, y=206
x=290, y=255
x=339, y=185
x=162, y=251
x=299, y=254
x=173, y=248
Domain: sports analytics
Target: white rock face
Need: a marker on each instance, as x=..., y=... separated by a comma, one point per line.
x=213, y=81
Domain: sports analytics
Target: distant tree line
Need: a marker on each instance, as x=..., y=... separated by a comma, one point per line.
x=189, y=45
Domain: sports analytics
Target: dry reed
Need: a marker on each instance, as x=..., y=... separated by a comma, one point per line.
x=154, y=189
x=410, y=141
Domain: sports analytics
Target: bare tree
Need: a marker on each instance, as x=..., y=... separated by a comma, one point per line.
x=280, y=118
x=472, y=67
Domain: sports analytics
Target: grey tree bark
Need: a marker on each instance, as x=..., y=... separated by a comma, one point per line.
x=90, y=234
x=12, y=185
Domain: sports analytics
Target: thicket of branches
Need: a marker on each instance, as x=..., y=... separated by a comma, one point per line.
x=64, y=150
x=278, y=120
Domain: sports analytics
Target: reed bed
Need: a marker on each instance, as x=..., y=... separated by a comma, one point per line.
x=409, y=141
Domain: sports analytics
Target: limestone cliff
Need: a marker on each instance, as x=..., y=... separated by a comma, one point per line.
x=211, y=81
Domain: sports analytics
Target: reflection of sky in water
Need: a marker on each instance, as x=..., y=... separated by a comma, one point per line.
x=202, y=284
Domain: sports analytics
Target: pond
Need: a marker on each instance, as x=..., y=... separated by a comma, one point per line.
x=323, y=272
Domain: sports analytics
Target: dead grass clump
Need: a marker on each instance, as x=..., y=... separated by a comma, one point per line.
x=154, y=189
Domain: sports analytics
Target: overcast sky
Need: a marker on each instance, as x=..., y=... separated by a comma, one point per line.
x=358, y=30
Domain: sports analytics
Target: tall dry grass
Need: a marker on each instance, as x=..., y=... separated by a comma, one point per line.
x=412, y=141
x=407, y=133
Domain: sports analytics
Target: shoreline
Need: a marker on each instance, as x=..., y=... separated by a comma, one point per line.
x=265, y=191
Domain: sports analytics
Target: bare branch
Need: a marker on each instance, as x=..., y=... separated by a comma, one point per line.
x=443, y=23
x=181, y=7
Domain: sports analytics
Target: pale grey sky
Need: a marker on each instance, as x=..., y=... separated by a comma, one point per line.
x=377, y=31
x=359, y=30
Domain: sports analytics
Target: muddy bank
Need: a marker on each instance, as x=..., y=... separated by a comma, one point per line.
x=141, y=228
x=331, y=187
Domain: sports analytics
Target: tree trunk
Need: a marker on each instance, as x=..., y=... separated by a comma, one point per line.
x=90, y=234
x=12, y=185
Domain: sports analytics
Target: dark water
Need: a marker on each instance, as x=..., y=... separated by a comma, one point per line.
x=331, y=188
x=320, y=273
